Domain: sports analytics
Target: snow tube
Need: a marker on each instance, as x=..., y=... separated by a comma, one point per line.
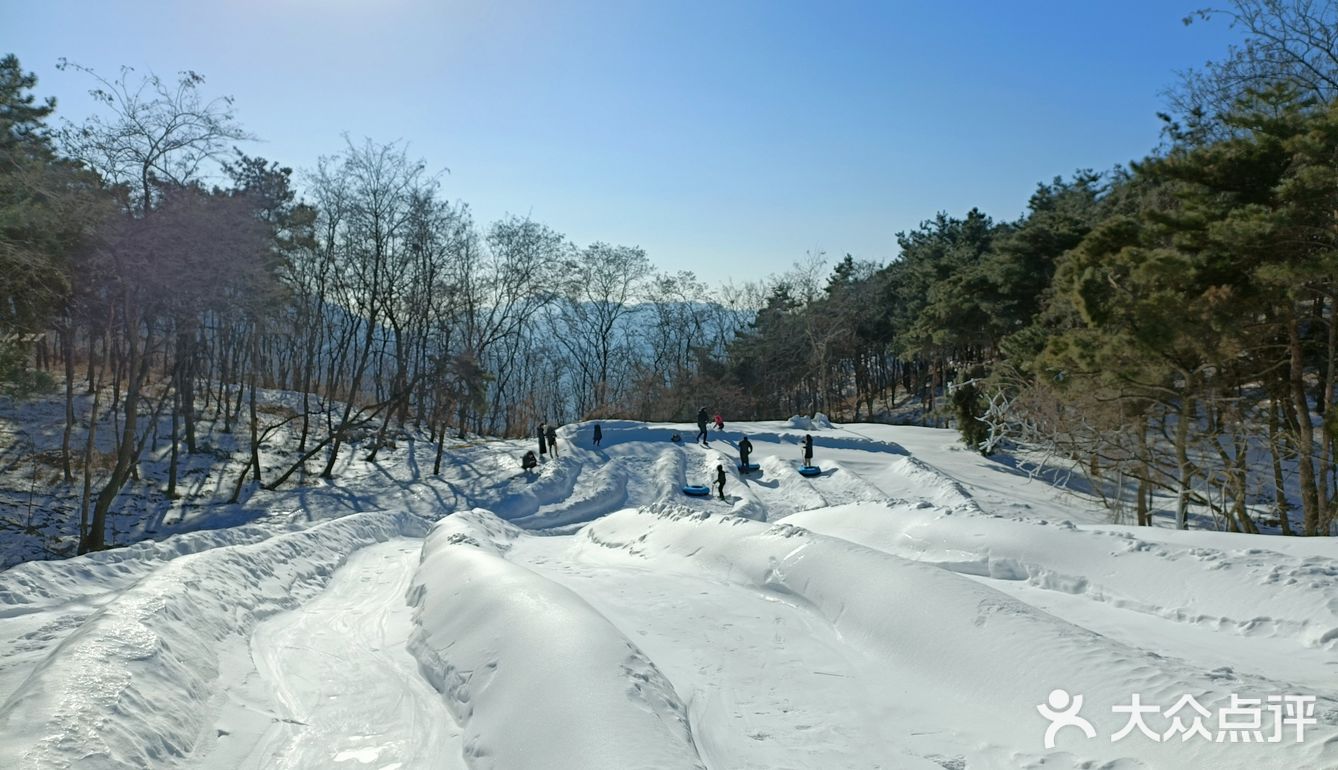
x=749, y=468
x=810, y=470
x=696, y=490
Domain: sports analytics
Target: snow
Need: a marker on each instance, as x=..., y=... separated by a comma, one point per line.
x=818, y=421
x=908, y=608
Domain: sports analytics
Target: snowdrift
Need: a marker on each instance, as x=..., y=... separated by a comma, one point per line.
x=1250, y=591
x=934, y=627
x=912, y=608
x=132, y=686
x=535, y=676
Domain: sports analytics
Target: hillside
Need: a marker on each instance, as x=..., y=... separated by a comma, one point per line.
x=908, y=608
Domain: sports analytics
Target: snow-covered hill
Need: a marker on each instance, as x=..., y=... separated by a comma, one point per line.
x=910, y=607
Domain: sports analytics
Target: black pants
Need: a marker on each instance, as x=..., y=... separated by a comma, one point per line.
x=721, y=484
x=701, y=433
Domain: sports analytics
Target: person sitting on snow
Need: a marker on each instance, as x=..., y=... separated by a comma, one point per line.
x=719, y=422
x=529, y=460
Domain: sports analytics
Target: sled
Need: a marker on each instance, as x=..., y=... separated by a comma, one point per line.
x=749, y=467
x=696, y=490
x=810, y=470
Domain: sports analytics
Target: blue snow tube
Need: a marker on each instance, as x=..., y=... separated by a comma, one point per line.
x=749, y=468
x=696, y=490
x=810, y=470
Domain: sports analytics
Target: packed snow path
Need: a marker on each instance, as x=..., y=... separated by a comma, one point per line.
x=766, y=683
x=911, y=608
x=331, y=683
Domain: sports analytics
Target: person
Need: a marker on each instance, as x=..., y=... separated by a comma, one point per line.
x=745, y=449
x=543, y=447
x=599, y=434
x=719, y=422
x=529, y=460
x=552, y=440
x=808, y=449
x=720, y=479
x=701, y=426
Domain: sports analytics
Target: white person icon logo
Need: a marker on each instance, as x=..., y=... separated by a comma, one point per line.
x=1062, y=711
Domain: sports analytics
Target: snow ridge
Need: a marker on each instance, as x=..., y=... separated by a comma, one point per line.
x=131, y=688
x=534, y=675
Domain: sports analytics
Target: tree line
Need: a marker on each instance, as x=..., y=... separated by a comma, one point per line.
x=1167, y=326
x=374, y=300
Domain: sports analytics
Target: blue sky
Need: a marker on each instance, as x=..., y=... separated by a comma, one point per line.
x=727, y=138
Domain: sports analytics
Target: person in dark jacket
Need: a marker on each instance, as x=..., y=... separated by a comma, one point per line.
x=551, y=433
x=720, y=480
x=701, y=426
x=745, y=449
x=808, y=449
x=599, y=434
x=529, y=460
x=543, y=447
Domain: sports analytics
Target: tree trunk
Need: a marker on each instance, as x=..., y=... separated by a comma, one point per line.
x=67, y=350
x=1144, y=477
x=1305, y=450
x=1182, y=460
x=1328, y=466
x=137, y=366
x=172, y=464
x=1275, y=439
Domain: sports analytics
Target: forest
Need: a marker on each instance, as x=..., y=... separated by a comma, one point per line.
x=1165, y=328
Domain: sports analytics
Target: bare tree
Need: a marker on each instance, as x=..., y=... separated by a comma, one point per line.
x=601, y=283
x=154, y=133
x=1288, y=44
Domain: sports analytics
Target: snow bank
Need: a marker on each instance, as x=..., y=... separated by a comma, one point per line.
x=912, y=479
x=818, y=421
x=978, y=658
x=1243, y=587
x=535, y=676
x=133, y=687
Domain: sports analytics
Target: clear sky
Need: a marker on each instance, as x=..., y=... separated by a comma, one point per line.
x=728, y=138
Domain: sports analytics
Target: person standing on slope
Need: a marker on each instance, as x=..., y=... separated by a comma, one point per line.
x=552, y=440
x=543, y=447
x=745, y=449
x=701, y=426
x=599, y=434
x=720, y=480
x=808, y=449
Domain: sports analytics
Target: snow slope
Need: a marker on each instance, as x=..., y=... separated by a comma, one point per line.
x=910, y=607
